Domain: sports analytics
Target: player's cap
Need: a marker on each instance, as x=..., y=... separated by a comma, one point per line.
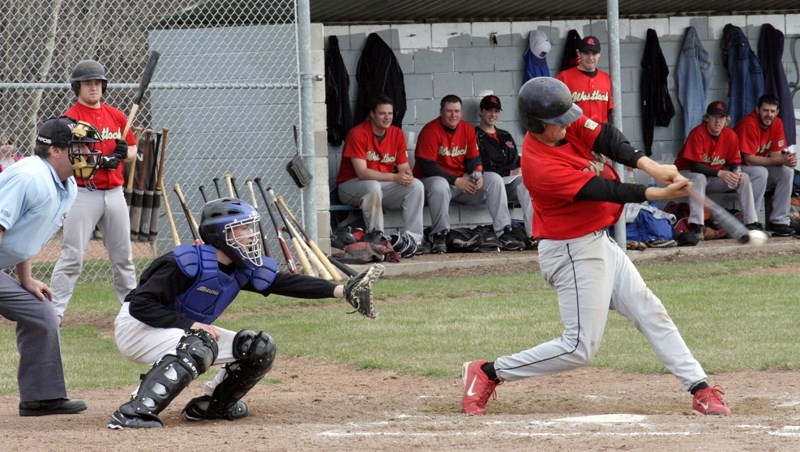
x=56, y=132
x=717, y=108
x=539, y=43
x=490, y=101
x=590, y=44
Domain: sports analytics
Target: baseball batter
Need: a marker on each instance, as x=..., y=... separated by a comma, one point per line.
x=577, y=195
x=590, y=87
x=101, y=200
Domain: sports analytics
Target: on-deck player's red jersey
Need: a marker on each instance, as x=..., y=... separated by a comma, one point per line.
x=592, y=94
x=447, y=149
x=755, y=141
x=110, y=122
x=555, y=174
x=381, y=156
x=701, y=147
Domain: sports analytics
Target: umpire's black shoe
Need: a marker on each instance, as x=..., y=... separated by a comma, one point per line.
x=197, y=410
x=52, y=406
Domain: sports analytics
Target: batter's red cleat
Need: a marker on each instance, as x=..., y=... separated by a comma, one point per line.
x=709, y=401
x=477, y=388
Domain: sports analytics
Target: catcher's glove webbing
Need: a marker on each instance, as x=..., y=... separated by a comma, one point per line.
x=358, y=290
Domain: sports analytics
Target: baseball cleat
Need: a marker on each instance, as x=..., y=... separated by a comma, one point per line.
x=120, y=421
x=196, y=410
x=477, y=388
x=709, y=401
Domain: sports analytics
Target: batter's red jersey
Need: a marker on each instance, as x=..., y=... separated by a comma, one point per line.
x=701, y=147
x=381, y=156
x=555, y=174
x=754, y=140
x=110, y=122
x=592, y=94
x=447, y=149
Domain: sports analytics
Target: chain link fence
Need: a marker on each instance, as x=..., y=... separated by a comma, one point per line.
x=226, y=86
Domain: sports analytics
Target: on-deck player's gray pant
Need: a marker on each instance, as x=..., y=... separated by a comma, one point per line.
x=371, y=196
x=704, y=184
x=40, y=374
x=591, y=275
x=439, y=193
x=107, y=210
x=779, y=177
x=517, y=191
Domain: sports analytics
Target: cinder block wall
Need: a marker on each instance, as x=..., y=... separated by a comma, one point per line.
x=460, y=58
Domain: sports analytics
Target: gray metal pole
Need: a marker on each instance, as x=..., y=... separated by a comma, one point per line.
x=307, y=149
x=616, y=92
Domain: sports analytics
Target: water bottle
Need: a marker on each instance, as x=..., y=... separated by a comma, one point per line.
x=738, y=173
x=476, y=176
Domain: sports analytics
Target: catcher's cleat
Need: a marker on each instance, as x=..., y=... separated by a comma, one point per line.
x=358, y=290
x=119, y=421
x=477, y=388
x=709, y=401
x=195, y=410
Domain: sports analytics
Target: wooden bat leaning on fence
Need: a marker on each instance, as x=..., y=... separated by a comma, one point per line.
x=303, y=253
x=150, y=185
x=188, y=213
x=158, y=187
x=138, y=191
x=324, y=273
x=287, y=254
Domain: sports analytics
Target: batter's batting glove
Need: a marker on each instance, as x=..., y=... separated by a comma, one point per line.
x=358, y=291
x=121, y=150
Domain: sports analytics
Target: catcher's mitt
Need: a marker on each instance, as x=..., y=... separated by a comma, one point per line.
x=358, y=290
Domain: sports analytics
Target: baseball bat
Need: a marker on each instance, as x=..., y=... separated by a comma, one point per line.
x=235, y=188
x=287, y=254
x=229, y=184
x=147, y=199
x=138, y=191
x=346, y=269
x=252, y=193
x=264, y=240
x=316, y=256
x=303, y=252
x=132, y=169
x=203, y=193
x=147, y=75
x=216, y=185
x=724, y=219
x=158, y=189
x=176, y=239
x=188, y=213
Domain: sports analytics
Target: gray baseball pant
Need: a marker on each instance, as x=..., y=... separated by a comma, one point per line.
x=439, y=193
x=371, y=196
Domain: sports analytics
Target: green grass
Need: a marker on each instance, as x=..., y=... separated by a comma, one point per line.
x=733, y=314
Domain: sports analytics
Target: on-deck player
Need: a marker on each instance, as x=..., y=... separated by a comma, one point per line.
x=590, y=87
x=577, y=195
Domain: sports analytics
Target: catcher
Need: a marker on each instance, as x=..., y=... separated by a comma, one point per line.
x=167, y=320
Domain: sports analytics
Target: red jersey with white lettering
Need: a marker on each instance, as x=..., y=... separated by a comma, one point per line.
x=701, y=147
x=447, y=149
x=592, y=94
x=555, y=174
x=754, y=140
x=110, y=122
x=381, y=156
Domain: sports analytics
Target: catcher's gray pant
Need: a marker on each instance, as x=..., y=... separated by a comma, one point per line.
x=107, y=210
x=516, y=191
x=781, y=178
x=371, y=196
x=703, y=184
x=144, y=344
x=591, y=275
x=439, y=193
x=40, y=374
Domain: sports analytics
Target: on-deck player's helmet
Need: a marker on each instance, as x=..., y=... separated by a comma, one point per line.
x=217, y=223
x=546, y=100
x=67, y=133
x=87, y=70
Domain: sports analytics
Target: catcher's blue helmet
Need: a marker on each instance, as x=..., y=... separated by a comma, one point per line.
x=217, y=223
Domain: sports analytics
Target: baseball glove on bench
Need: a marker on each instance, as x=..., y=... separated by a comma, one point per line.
x=358, y=291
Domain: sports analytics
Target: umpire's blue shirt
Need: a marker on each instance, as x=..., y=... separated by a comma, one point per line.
x=33, y=205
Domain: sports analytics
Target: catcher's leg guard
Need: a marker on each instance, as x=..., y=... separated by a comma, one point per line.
x=195, y=353
x=254, y=353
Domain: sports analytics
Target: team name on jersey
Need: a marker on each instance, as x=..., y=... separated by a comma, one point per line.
x=106, y=134
x=207, y=290
x=583, y=96
x=444, y=151
x=717, y=160
x=373, y=156
x=765, y=148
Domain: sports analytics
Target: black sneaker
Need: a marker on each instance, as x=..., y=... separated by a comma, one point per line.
x=51, y=406
x=754, y=226
x=780, y=230
x=439, y=242
x=119, y=421
x=423, y=248
x=509, y=242
x=196, y=410
x=697, y=230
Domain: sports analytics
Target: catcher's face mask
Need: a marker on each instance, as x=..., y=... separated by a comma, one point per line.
x=81, y=150
x=243, y=238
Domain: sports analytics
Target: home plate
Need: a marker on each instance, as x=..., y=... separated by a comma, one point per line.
x=603, y=419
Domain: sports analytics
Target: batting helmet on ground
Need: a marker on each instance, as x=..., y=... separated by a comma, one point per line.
x=546, y=100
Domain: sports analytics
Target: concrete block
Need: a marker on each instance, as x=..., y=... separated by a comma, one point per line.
x=318, y=62
x=678, y=26
x=792, y=25
x=717, y=23
x=413, y=36
x=499, y=83
x=755, y=21
x=451, y=35
x=342, y=32
x=418, y=86
x=564, y=26
x=471, y=214
x=508, y=59
x=433, y=61
x=427, y=110
x=405, y=59
x=321, y=148
x=473, y=59
x=482, y=33
x=350, y=58
x=359, y=33
x=451, y=83
x=317, y=38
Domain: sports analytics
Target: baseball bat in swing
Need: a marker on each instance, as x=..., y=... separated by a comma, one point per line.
x=147, y=75
x=317, y=253
x=137, y=133
x=264, y=240
x=150, y=185
x=287, y=254
x=303, y=253
x=188, y=213
x=158, y=189
x=724, y=219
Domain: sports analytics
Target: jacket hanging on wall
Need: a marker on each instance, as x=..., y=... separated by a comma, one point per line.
x=770, y=54
x=570, y=57
x=693, y=76
x=746, y=83
x=535, y=56
x=379, y=72
x=337, y=94
x=657, y=107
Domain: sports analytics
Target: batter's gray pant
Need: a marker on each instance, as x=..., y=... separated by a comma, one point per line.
x=371, y=196
x=439, y=193
x=781, y=178
x=592, y=274
x=107, y=210
x=40, y=374
x=516, y=191
x=703, y=184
